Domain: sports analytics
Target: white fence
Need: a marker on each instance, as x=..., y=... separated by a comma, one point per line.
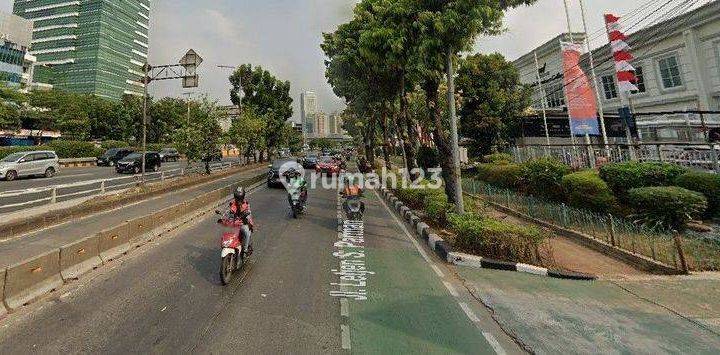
x=695, y=156
x=33, y=197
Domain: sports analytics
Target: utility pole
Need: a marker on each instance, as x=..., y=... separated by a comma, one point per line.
x=146, y=81
x=567, y=97
x=459, y=205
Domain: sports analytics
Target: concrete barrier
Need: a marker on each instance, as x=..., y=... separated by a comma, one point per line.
x=114, y=242
x=140, y=230
x=77, y=162
x=32, y=278
x=80, y=257
x=3, y=309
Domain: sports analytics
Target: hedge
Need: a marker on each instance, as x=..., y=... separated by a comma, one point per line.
x=622, y=177
x=113, y=144
x=503, y=175
x=585, y=189
x=666, y=207
x=498, y=158
x=494, y=238
x=707, y=184
x=543, y=177
x=64, y=149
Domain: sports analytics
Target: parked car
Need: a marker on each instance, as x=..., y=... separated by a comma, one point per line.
x=273, y=178
x=133, y=163
x=40, y=163
x=169, y=154
x=113, y=155
x=328, y=165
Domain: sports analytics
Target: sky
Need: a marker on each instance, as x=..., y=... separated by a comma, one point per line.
x=284, y=37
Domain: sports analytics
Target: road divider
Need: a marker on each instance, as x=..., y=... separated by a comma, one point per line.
x=445, y=252
x=80, y=257
x=32, y=278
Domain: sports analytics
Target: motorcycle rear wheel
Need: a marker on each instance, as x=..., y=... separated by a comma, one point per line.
x=227, y=269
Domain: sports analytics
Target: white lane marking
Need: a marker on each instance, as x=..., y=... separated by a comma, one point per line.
x=344, y=307
x=437, y=270
x=345, y=336
x=451, y=288
x=494, y=343
x=468, y=312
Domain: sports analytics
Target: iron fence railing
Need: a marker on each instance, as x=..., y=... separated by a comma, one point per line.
x=23, y=199
x=696, y=156
x=701, y=252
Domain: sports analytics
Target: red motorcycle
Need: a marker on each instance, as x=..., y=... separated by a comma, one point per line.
x=232, y=255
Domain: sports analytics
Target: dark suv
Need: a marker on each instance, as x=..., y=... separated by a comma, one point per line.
x=133, y=163
x=112, y=156
x=169, y=154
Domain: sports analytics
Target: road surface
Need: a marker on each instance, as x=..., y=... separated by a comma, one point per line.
x=167, y=297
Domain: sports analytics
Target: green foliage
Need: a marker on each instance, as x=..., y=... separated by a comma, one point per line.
x=5, y=151
x=543, y=177
x=72, y=149
x=9, y=116
x=585, y=189
x=323, y=143
x=109, y=144
x=202, y=137
x=707, y=184
x=496, y=239
x=666, y=207
x=493, y=98
x=498, y=158
x=502, y=175
x=428, y=158
x=622, y=177
x=247, y=132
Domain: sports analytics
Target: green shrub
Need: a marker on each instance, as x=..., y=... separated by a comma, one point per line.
x=427, y=158
x=5, y=151
x=156, y=147
x=501, y=175
x=543, y=177
x=496, y=239
x=73, y=149
x=585, y=189
x=105, y=145
x=666, y=207
x=707, y=184
x=622, y=177
x=498, y=158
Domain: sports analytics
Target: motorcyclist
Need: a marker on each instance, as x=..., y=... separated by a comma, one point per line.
x=352, y=190
x=296, y=183
x=240, y=208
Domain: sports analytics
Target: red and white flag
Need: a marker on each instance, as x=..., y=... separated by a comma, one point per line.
x=621, y=53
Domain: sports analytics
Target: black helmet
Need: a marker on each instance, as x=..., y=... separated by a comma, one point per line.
x=239, y=194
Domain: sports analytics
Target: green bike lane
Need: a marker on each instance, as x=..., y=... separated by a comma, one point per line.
x=412, y=303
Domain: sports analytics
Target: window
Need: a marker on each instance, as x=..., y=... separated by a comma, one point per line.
x=608, y=83
x=640, y=80
x=670, y=72
x=555, y=96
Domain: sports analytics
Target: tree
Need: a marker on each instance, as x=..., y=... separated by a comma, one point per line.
x=199, y=140
x=9, y=116
x=247, y=132
x=268, y=96
x=492, y=99
x=323, y=144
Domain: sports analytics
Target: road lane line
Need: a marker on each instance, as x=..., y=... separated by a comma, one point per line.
x=470, y=314
x=345, y=336
x=494, y=343
x=451, y=288
x=344, y=307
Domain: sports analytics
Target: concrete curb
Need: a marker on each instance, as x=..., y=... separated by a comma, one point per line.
x=444, y=251
x=24, y=282
x=77, y=162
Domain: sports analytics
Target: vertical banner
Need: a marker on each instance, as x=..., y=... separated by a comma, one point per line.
x=580, y=99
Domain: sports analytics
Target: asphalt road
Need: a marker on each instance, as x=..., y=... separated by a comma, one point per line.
x=167, y=298
x=70, y=176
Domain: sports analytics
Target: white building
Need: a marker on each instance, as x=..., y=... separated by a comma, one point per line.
x=16, y=63
x=678, y=67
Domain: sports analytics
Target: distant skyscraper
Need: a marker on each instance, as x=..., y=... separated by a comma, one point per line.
x=308, y=108
x=321, y=130
x=90, y=46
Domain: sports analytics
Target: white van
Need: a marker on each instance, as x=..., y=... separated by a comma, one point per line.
x=40, y=163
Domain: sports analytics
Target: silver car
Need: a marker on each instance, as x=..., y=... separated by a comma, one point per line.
x=40, y=163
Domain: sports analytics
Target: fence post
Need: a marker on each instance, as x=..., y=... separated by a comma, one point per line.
x=681, y=252
x=182, y=171
x=714, y=155
x=53, y=195
x=591, y=157
x=564, y=215
x=162, y=176
x=659, y=152
x=507, y=198
x=102, y=186
x=612, y=229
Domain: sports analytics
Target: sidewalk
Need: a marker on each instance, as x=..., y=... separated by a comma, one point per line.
x=645, y=314
x=19, y=248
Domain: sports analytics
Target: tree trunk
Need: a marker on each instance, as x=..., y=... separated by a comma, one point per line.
x=442, y=141
x=386, y=137
x=369, y=137
x=411, y=140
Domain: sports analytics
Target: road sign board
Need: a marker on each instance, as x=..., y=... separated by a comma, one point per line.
x=191, y=59
x=191, y=81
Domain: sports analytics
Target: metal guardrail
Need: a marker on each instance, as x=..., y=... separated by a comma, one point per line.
x=704, y=157
x=18, y=200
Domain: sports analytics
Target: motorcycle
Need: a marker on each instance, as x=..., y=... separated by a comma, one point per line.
x=296, y=203
x=354, y=208
x=232, y=256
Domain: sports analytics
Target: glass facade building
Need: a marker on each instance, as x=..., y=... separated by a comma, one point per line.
x=89, y=46
x=15, y=62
